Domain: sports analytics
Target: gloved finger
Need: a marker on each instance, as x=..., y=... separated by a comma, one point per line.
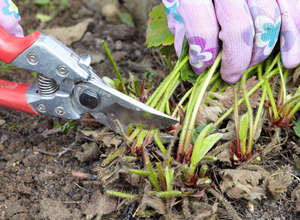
x=175, y=23
x=237, y=35
x=267, y=21
x=290, y=32
x=201, y=30
x=10, y=18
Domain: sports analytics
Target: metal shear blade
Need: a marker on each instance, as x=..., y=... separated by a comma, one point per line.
x=115, y=105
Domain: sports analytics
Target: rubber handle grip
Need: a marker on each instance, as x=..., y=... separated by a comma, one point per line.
x=11, y=46
x=13, y=95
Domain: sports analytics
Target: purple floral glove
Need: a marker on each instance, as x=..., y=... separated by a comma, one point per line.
x=290, y=32
x=197, y=21
x=9, y=18
x=249, y=31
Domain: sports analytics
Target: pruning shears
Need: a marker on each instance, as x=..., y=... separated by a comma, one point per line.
x=66, y=85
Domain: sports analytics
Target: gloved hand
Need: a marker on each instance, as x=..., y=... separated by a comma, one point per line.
x=10, y=18
x=248, y=29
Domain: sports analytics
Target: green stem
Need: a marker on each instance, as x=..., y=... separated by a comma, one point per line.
x=269, y=68
x=169, y=91
x=188, y=114
x=204, y=86
x=236, y=114
x=135, y=133
x=120, y=194
x=216, y=85
x=291, y=101
x=153, y=176
x=269, y=90
x=293, y=112
x=262, y=101
x=159, y=143
x=283, y=87
x=160, y=91
x=186, y=95
x=229, y=111
x=115, y=67
x=167, y=62
x=250, y=112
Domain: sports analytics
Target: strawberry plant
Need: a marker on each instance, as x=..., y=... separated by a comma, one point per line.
x=183, y=95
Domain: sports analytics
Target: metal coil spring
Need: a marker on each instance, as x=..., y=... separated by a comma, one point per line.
x=46, y=86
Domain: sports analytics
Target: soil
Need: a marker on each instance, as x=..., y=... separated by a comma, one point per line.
x=38, y=161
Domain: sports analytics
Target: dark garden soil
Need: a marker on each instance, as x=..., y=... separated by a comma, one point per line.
x=40, y=166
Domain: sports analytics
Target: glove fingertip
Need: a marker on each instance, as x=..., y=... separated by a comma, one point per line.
x=178, y=38
x=201, y=29
x=290, y=33
x=201, y=56
x=237, y=35
x=267, y=24
x=231, y=77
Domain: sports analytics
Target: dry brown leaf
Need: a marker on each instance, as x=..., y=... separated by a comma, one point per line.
x=229, y=131
x=297, y=161
x=227, y=97
x=90, y=151
x=108, y=138
x=112, y=140
x=208, y=114
x=52, y=131
x=222, y=152
x=2, y=122
x=68, y=35
x=54, y=209
x=155, y=203
x=259, y=128
x=197, y=210
x=243, y=184
x=296, y=75
x=95, y=134
x=151, y=202
x=278, y=182
x=296, y=194
x=100, y=205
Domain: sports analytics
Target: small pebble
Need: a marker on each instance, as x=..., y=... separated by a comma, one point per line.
x=3, y=139
x=118, y=45
x=137, y=53
x=98, y=43
x=97, y=58
x=88, y=38
x=2, y=122
x=110, y=12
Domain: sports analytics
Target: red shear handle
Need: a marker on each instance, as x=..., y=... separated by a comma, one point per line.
x=13, y=95
x=11, y=46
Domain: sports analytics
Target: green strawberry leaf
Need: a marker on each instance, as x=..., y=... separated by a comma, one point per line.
x=297, y=127
x=158, y=33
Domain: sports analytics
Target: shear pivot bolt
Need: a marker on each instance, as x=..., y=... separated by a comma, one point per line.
x=89, y=99
x=32, y=59
x=62, y=70
x=59, y=110
x=41, y=108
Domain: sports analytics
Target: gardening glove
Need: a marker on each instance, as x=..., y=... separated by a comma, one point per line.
x=249, y=32
x=290, y=32
x=197, y=21
x=10, y=18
